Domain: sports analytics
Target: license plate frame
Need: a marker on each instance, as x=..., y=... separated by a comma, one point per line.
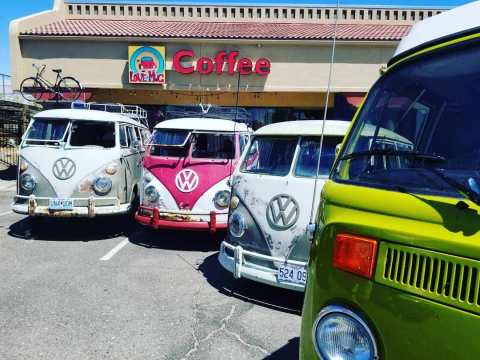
x=58, y=204
x=292, y=274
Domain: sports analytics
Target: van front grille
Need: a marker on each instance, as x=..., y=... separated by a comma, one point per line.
x=444, y=278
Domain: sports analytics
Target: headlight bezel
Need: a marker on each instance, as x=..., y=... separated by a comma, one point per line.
x=157, y=194
x=226, y=199
x=99, y=191
x=32, y=178
x=241, y=220
x=347, y=313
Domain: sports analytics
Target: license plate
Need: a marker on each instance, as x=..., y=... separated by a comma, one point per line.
x=292, y=274
x=60, y=204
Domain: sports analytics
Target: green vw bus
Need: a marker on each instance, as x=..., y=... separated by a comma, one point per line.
x=394, y=269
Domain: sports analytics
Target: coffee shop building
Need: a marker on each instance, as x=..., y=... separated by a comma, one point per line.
x=272, y=62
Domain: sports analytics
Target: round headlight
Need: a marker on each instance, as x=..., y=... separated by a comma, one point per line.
x=236, y=224
x=222, y=198
x=151, y=194
x=102, y=185
x=28, y=183
x=340, y=334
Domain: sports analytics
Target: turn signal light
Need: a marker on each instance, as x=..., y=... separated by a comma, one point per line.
x=355, y=254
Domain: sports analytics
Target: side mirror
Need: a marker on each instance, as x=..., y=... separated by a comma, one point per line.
x=337, y=149
x=12, y=143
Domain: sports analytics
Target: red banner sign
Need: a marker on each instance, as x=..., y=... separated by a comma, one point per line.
x=205, y=65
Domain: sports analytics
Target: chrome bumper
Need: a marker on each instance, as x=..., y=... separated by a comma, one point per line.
x=240, y=267
x=90, y=209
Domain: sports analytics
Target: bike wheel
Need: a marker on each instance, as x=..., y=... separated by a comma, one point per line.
x=30, y=89
x=69, y=89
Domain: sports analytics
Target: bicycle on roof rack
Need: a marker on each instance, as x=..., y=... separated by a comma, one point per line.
x=37, y=87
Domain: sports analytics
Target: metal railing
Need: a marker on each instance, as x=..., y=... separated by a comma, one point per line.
x=132, y=111
x=5, y=85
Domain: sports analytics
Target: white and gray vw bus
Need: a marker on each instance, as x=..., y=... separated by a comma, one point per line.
x=81, y=162
x=274, y=190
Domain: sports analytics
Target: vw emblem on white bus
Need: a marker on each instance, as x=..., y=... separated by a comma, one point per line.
x=64, y=168
x=282, y=212
x=187, y=180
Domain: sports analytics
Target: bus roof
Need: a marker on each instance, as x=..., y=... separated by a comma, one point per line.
x=305, y=128
x=202, y=124
x=81, y=114
x=446, y=25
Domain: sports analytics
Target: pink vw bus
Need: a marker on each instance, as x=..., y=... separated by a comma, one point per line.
x=185, y=171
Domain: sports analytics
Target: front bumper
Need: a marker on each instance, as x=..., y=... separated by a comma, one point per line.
x=240, y=267
x=83, y=207
x=181, y=220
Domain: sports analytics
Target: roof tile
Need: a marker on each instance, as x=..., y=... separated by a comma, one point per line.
x=219, y=30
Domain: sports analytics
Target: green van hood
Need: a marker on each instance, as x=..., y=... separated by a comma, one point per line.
x=429, y=222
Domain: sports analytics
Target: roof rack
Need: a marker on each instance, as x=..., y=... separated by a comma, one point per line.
x=134, y=112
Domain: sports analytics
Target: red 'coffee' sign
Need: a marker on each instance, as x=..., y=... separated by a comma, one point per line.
x=232, y=60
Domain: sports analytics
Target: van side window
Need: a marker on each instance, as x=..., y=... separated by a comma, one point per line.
x=123, y=136
x=138, y=134
x=131, y=136
x=243, y=142
x=146, y=136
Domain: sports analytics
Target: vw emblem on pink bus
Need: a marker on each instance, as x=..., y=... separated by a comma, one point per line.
x=187, y=180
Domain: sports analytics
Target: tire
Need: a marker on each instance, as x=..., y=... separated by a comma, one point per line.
x=31, y=88
x=69, y=89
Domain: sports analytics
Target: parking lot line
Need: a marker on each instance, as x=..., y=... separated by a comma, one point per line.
x=6, y=213
x=116, y=249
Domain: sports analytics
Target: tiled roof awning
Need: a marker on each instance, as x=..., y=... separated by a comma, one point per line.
x=220, y=30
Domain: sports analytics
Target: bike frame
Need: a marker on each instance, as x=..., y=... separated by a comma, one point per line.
x=44, y=82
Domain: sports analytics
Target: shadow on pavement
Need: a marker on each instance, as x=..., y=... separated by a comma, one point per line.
x=176, y=240
x=71, y=229
x=256, y=293
x=288, y=351
x=8, y=173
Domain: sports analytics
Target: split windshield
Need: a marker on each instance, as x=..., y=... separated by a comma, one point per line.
x=44, y=131
x=203, y=145
x=274, y=156
x=419, y=121
x=81, y=133
x=93, y=133
x=307, y=161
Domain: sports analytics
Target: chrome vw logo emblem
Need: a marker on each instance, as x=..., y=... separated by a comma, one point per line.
x=64, y=168
x=187, y=180
x=282, y=212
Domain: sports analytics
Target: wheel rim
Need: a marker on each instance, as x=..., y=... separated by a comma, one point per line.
x=69, y=89
x=32, y=90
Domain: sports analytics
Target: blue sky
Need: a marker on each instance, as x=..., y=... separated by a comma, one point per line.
x=19, y=8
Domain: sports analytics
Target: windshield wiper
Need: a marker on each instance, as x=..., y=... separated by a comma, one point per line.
x=470, y=191
x=393, y=152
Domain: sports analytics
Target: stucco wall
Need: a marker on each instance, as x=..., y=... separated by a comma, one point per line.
x=300, y=67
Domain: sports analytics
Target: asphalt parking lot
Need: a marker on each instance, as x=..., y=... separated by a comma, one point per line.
x=104, y=289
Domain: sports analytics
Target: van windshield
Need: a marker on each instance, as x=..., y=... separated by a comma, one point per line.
x=213, y=146
x=170, y=143
x=47, y=131
x=93, y=133
x=307, y=161
x=419, y=127
x=271, y=156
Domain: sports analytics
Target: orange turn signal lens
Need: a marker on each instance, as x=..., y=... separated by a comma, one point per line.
x=355, y=254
